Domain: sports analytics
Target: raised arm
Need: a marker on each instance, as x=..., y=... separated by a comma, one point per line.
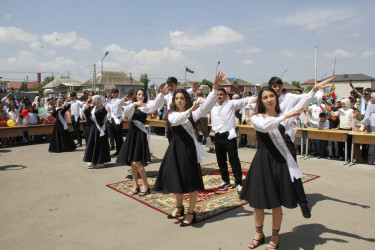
x=154, y=105
x=265, y=124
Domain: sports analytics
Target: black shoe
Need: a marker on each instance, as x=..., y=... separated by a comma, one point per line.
x=181, y=213
x=194, y=220
x=224, y=186
x=112, y=148
x=114, y=155
x=305, y=209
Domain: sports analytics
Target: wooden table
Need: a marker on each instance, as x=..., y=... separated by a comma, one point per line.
x=361, y=138
x=327, y=135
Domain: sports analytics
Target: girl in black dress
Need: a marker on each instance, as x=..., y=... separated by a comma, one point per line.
x=135, y=151
x=269, y=182
x=61, y=140
x=97, y=148
x=180, y=170
x=87, y=108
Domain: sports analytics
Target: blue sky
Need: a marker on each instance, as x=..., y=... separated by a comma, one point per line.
x=253, y=40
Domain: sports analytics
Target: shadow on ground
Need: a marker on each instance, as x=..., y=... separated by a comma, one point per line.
x=310, y=236
x=12, y=167
x=315, y=198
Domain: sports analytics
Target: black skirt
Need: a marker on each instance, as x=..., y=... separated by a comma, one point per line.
x=135, y=147
x=180, y=171
x=97, y=147
x=268, y=184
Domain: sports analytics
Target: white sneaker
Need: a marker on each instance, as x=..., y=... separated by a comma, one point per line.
x=239, y=188
x=90, y=164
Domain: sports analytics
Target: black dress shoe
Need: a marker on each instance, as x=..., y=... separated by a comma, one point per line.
x=305, y=209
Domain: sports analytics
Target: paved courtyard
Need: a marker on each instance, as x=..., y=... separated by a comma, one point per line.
x=54, y=201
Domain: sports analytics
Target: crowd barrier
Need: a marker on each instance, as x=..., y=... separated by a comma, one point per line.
x=312, y=133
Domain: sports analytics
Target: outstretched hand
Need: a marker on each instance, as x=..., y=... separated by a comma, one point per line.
x=161, y=87
x=218, y=79
x=293, y=113
x=322, y=84
x=196, y=105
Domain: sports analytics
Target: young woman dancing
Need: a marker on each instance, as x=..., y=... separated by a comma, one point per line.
x=269, y=182
x=180, y=170
x=61, y=140
x=135, y=151
x=97, y=148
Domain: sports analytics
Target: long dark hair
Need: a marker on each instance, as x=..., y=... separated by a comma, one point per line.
x=261, y=109
x=144, y=95
x=188, y=100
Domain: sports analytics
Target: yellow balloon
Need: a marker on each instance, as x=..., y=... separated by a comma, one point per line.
x=11, y=123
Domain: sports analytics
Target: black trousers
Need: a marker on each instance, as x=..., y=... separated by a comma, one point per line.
x=109, y=128
x=117, y=129
x=77, y=131
x=224, y=146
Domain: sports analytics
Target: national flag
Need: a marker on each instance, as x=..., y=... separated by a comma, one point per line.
x=326, y=90
x=235, y=83
x=334, y=97
x=189, y=70
x=362, y=107
x=256, y=91
x=164, y=111
x=148, y=95
x=155, y=87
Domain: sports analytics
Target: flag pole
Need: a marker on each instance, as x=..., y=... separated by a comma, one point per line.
x=185, y=74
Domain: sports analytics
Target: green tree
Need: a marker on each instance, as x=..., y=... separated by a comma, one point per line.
x=48, y=79
x=64, y=77
x=207, y=82
x=144, y=79
x=23, y=86
x=296, y=83
x=309, y=88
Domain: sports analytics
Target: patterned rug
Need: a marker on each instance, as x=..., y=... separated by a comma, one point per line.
x=211, y=202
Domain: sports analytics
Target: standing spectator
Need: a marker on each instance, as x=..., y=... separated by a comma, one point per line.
x=370, y=126
x=314, y=111
x=323, y=124
x=334, y=122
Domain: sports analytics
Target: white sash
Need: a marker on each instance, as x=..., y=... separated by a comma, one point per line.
x=62, y=120
x=93, y=118
x=201, y=152
x=142, y=127
x=280, y=144
x=116, y=119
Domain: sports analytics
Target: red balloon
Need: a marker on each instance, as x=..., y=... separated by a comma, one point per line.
x=25, y=113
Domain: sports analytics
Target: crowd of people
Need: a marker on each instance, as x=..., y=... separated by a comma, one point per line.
x=275, y=115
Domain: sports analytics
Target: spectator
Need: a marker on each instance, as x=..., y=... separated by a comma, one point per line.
x=323, y=124
x=334, y=122
x=370, y=126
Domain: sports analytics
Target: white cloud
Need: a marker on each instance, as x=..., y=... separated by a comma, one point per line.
x=36, y=45
x=338, y=53
x=214, y=36
x=7, y=17
x=250, y=50
x=287, y=53
x=67, y=39
x=317, y=18
x=24, y=58
x=355, y=34
x=58, y=64
x=248, y=61
x=368, y=53
x=13, y=34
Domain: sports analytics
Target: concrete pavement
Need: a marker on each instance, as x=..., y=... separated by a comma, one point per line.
x=54, y=201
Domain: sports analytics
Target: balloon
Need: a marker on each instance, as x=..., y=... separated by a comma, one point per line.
x=25, y=113
x=42, y=111
x=11, y=123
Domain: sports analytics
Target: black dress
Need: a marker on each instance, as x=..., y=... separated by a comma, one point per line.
x=180, y=171
x=89, y=123
x=61, y=140
x=97, y=148
x=268, y=184
x=135, y=147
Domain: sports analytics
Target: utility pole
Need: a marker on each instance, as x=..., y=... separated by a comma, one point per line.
x=94, y=79
x=27, y=82
x=316, y=64
x=334, y=66
x=131, y=79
